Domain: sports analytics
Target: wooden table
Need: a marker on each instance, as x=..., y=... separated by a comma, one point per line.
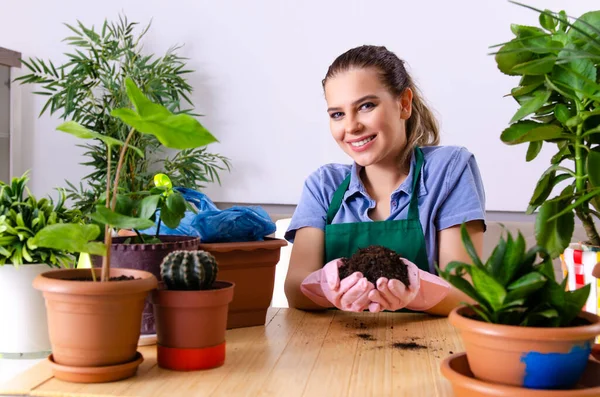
x=297, y=353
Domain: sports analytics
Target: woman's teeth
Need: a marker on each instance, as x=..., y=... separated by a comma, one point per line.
x=363, y=142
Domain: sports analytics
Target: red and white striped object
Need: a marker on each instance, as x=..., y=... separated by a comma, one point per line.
x=578, y=262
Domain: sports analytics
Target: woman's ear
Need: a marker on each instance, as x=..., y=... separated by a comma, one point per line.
x=405, y=102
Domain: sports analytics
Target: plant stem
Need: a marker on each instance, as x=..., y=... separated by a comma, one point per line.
x=107, y=231
x=113, y=205
x=158, y=228
x=140, y=236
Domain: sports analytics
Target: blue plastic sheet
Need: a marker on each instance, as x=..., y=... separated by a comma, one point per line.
x=235, y=224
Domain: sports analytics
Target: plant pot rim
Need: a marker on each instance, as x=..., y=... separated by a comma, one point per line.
x=184, y=241
x=269, y=243
x=483, y=388
x=195, y=298
x=575, y=333
x=57, y=281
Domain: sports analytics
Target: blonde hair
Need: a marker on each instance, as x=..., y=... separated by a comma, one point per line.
x=422, y=127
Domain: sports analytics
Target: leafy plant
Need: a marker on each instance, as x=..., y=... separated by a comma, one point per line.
x=559, y=104
x=512, y=289
x=177, y=131
x=23, y=217
x=91, y=84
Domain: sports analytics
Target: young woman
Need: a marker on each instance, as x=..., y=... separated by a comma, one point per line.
x=402, y=191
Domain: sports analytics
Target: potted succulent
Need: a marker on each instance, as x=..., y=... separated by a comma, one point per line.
x=78, y=305
x=22, y=216
x=525, y=329
x=190, y=307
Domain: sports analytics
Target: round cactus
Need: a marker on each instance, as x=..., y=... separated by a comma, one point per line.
x=189, y=270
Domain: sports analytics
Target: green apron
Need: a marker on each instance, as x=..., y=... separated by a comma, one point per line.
x=403, y=236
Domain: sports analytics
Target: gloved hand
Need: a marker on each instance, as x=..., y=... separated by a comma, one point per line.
x=325, y=288
x=425, y=291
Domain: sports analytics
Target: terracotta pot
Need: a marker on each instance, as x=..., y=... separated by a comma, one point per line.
x=94, y=324
x=456, y=369
x=190, y=326
x=531, y=357
x=146, y=257
x=251, y=267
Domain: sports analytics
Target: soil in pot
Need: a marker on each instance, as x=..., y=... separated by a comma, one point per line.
x=376, y=261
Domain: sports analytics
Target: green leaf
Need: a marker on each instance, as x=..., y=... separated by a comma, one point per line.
x=562, y=113
x=536, y=67
x=513, y=259
x=585, y=32
x=511, y=54
x=525, y=286
x=593, y=166
x=554, y=235
x=468, y=244
x=70, y=238
x=162, y=180
x=124, y=205
x=481, y=312
x=492, y=291
x=534, y=318
x=538, y=100
x=574, y=301
x=582, y=199
x=148, y=206
x=105, y=216
x=547, y=21
x=495, y=263
x=579, y=75
x=180, y=131
x=528, y=131
x=174, y=210
x=533, y=150
x=79, y=131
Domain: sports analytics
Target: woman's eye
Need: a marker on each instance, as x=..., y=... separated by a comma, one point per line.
x=367, y=105
x=336, y=115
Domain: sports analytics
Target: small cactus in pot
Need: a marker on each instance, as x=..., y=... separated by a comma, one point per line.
x=189, y=270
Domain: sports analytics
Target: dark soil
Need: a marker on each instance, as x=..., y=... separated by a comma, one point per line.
x=408, y=346
x=374, y=262
x=366, y=336
x=120, y=278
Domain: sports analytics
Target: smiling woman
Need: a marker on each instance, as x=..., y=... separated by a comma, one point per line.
x=402, y=192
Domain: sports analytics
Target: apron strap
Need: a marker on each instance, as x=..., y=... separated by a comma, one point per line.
x=336, y=201
x=413, y=209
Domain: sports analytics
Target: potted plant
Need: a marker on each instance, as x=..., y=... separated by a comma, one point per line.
x=22, y=216
x=78, y=306
x=559, y=105
x=91, y=84
x=190, y=307
x=525, y=329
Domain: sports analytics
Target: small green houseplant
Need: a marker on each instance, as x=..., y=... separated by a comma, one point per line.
x=114, y=305
x=92, y=83
x=191, y=309
x=559, y=106
x=522, y=315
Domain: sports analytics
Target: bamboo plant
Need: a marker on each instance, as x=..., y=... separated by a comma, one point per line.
x=559, y=106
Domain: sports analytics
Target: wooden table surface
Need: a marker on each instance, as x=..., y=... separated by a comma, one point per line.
x=297, y=353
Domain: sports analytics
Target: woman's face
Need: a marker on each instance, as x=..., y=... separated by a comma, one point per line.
x=365, y=119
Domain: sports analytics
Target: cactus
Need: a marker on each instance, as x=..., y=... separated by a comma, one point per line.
x=189, y=270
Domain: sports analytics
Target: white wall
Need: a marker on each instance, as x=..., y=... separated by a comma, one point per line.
x=260, y=64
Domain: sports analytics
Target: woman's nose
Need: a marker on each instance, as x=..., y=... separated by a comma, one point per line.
x=352, y=125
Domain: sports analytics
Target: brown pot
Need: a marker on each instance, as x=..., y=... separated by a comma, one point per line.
x=94, y=324
x=190, y=326
x=251, y=267
x=146, y=257
x=531, y=357
x=456, y=369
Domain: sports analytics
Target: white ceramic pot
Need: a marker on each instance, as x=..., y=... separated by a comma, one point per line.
x=24, y=327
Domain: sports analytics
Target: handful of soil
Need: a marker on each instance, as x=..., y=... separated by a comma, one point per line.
x=376, y=261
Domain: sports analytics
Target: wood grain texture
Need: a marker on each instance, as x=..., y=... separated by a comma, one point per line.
x=10, y=58
x=330, y=353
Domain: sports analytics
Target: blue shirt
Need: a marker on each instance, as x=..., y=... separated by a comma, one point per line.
x=450, y=192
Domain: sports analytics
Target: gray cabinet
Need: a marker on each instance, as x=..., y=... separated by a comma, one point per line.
x=8, y=59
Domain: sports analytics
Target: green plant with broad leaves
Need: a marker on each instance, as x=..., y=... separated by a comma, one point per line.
x=515, y=286
x=24, y=220
x=559, y=106
x=91, y=84
x=177, y=131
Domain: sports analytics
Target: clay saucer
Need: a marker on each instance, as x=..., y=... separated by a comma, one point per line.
x=109, y=373
x=456, y=369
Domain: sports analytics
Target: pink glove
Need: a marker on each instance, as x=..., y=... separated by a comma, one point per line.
x=325, y=288
x=425, y=291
